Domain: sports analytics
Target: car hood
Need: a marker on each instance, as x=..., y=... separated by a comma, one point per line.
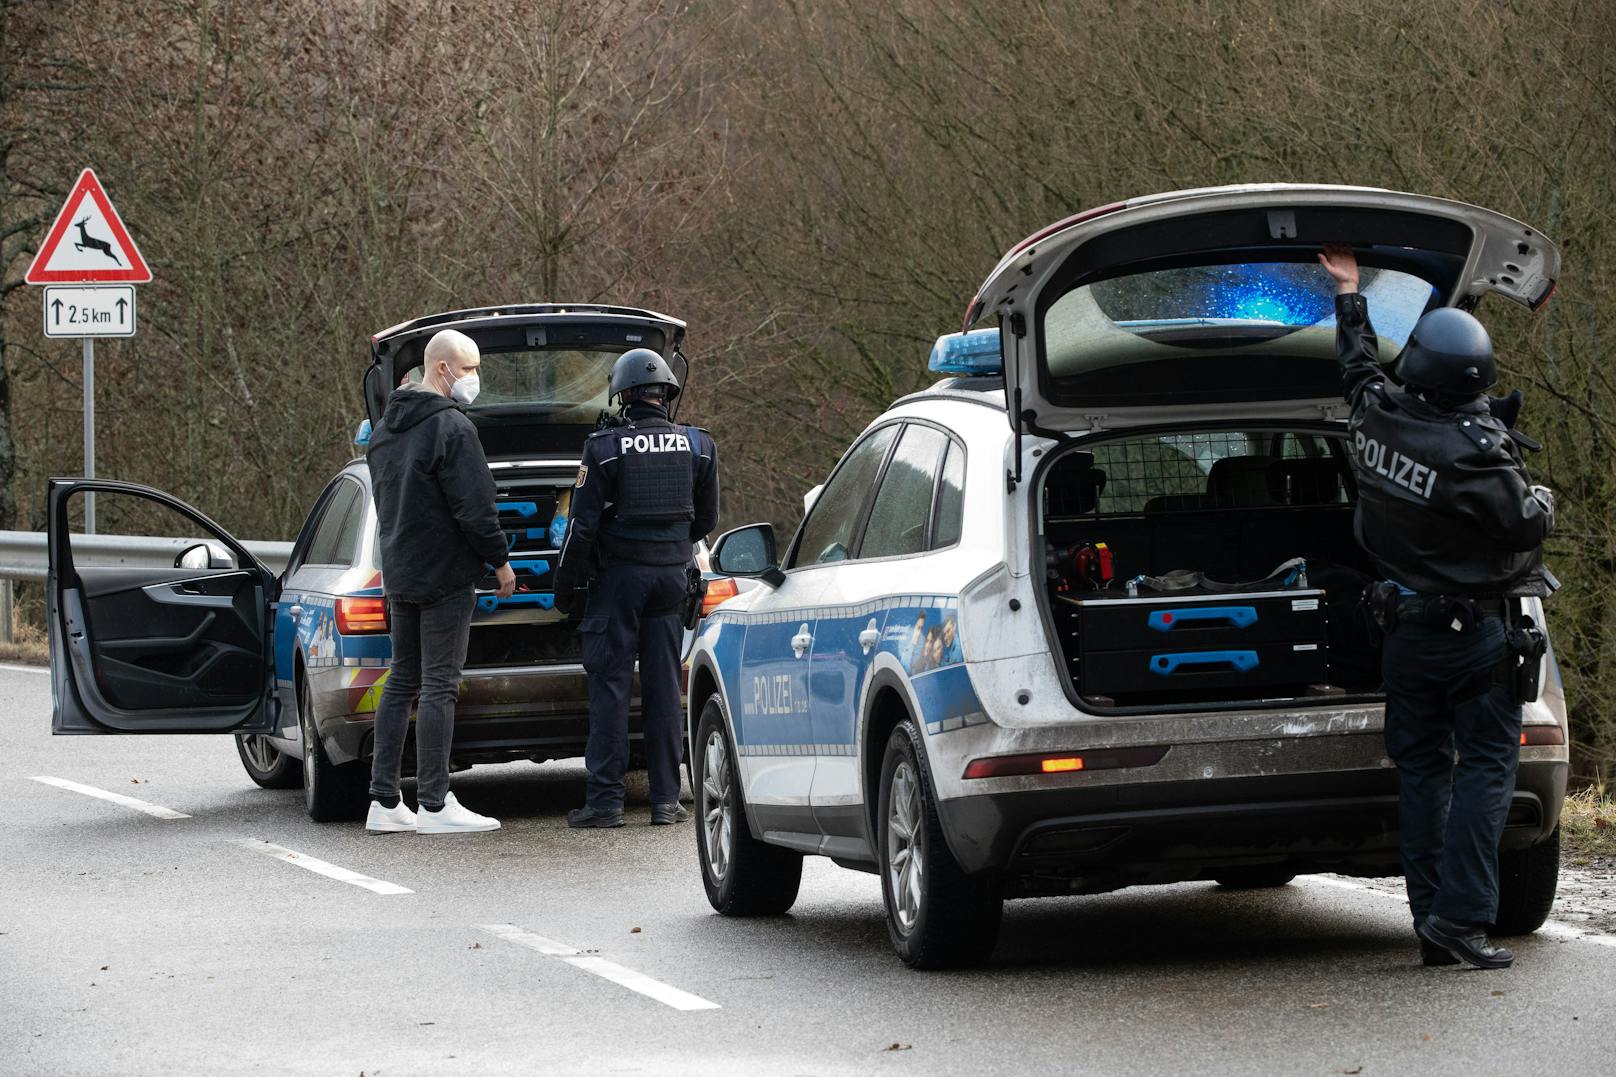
x=1210, y=301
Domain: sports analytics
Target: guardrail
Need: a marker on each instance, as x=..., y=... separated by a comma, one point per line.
x=25, y=555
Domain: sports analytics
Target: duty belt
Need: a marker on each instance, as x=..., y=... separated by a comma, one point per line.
x=1441, y=611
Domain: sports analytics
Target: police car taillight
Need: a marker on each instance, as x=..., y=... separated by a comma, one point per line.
x=361, y=616
x=1533, y=736
x=717, y=591
x=1010, y=766
x=970, y=354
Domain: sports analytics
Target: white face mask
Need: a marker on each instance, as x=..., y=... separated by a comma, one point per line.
x=466, y=388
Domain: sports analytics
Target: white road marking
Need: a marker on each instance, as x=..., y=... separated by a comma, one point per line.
x=155, y=810
x=609, y=970
x=320, y=867
x=25, y=669
x=1554, y=928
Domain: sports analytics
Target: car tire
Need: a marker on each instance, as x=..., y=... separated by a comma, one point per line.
x=266, y=764
x=937, y=916
x=1254, y=878
x=332, y=793
x=742, y=875
x=1527, y=882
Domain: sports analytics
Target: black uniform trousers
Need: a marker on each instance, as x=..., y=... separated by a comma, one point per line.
x=633, y=610
x=1442, y=701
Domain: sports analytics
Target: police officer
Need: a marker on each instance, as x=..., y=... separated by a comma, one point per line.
x=1449, y=515
x=647, y=491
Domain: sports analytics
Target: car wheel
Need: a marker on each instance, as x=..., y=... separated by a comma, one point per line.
x=1527, y=881
x=742, y=875
x=1255, y=878
x=937, y=915
x=333, y=794
x=266, y=764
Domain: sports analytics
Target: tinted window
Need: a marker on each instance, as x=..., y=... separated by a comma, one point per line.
x=828, y=533
x=903, y=503
x=950, y=500
x=336, y=536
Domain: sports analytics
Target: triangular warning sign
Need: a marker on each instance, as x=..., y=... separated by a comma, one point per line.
x=88, y=243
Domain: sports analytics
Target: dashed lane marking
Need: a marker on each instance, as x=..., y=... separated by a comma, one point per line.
x=320, y=867
x=155, y=810
x=609, y=970
x=1554, y=928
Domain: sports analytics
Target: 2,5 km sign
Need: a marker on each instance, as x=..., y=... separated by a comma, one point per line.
x=90, y=311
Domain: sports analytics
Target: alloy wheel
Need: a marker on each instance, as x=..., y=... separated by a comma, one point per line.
x=260, y=752
x=906, y=862
x=717, y=805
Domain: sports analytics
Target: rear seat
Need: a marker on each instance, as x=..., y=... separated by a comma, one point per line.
x=1308, y=481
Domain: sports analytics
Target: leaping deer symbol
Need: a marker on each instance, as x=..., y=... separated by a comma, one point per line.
x=86, y=240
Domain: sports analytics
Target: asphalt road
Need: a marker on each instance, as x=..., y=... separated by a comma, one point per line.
x=136, y=944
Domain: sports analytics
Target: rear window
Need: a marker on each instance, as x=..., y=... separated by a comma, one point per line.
x=569, y=385
x=1217, y=333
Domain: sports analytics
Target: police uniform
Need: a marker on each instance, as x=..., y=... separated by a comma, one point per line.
x=1448, y=513
x=647, y=490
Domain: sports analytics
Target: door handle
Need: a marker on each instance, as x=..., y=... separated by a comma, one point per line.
x=295, y=610
x=801, y=642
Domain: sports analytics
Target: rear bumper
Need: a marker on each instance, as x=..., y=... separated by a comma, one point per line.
x=1088, y=840
x=501, y=714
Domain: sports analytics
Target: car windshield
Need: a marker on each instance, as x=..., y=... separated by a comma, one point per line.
x=568, y=384
x=1180, y=329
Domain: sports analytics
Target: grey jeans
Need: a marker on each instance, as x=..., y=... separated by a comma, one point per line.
x=429, y=649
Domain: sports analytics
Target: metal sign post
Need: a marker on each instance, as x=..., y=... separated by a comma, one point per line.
x=97, y=263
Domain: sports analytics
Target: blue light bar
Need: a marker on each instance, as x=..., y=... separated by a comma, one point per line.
x=361, y=436
x=969, y=354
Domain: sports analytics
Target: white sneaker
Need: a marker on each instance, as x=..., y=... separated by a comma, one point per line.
x=397, y=820
x=453, y=819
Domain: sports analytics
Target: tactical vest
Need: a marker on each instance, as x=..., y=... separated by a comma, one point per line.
x=655, y=478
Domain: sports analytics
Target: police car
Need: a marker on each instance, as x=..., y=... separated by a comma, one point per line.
x=1084, y=614
x=293, y=664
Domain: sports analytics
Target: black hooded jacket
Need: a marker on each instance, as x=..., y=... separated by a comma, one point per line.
x=434, y=498
x=1445, y=505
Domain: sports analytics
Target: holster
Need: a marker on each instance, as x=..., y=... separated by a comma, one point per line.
x=1526, y=644
x=1380, y=600
x=695, y=592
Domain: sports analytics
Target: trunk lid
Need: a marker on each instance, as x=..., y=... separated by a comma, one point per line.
x=544, y=370
x=1192, y=302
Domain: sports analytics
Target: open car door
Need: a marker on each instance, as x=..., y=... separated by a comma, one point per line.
x=137, y=649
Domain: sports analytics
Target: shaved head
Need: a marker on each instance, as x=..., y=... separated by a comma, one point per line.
x=450, y=354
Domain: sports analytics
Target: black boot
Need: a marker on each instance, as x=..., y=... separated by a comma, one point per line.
x=597, y=818
x=1467, y=942
x=1434, y=956
x=667, y=814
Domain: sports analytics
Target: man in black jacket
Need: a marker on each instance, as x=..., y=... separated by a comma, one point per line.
x=647, y=491
x=1450, y=517
x=439, y=533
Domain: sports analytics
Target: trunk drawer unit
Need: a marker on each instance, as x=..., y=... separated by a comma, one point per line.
x=1248, y=645
x=527, y=508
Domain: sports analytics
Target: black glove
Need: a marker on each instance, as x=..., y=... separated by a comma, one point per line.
x=1506, y=409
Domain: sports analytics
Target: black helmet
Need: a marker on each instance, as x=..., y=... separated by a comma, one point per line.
x=640, y=367
x=1449, y=352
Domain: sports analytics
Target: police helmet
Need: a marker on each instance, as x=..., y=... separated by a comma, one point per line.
x=638, y=368
x=1448, y=352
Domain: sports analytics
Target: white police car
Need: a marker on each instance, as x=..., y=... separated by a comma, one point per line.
x=1106, y=635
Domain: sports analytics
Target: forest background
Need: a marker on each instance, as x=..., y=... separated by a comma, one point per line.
x=817, y=186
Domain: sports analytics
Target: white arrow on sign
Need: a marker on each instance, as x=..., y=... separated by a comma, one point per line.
x=90, y=311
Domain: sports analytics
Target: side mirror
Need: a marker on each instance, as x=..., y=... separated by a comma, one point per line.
x=204, y=555
x=748, y=552
x=810, y=497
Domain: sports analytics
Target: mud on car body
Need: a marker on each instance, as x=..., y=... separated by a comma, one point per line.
x=1104, y=633
x=294, y=664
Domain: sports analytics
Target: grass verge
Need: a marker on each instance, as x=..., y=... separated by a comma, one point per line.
x=1588, y=828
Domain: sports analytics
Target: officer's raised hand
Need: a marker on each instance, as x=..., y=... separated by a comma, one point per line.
x=1342, y=265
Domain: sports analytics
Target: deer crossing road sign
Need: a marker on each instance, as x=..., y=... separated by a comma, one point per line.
x=106, y=310
x=87, y=243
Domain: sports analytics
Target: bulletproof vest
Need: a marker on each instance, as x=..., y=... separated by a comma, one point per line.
x=1428, y=480
x=655, y=474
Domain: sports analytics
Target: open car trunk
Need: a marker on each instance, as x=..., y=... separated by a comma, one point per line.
x=1235, y=578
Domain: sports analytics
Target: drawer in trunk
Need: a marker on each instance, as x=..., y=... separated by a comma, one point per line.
x=1245, y=671
x=1197, y=621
